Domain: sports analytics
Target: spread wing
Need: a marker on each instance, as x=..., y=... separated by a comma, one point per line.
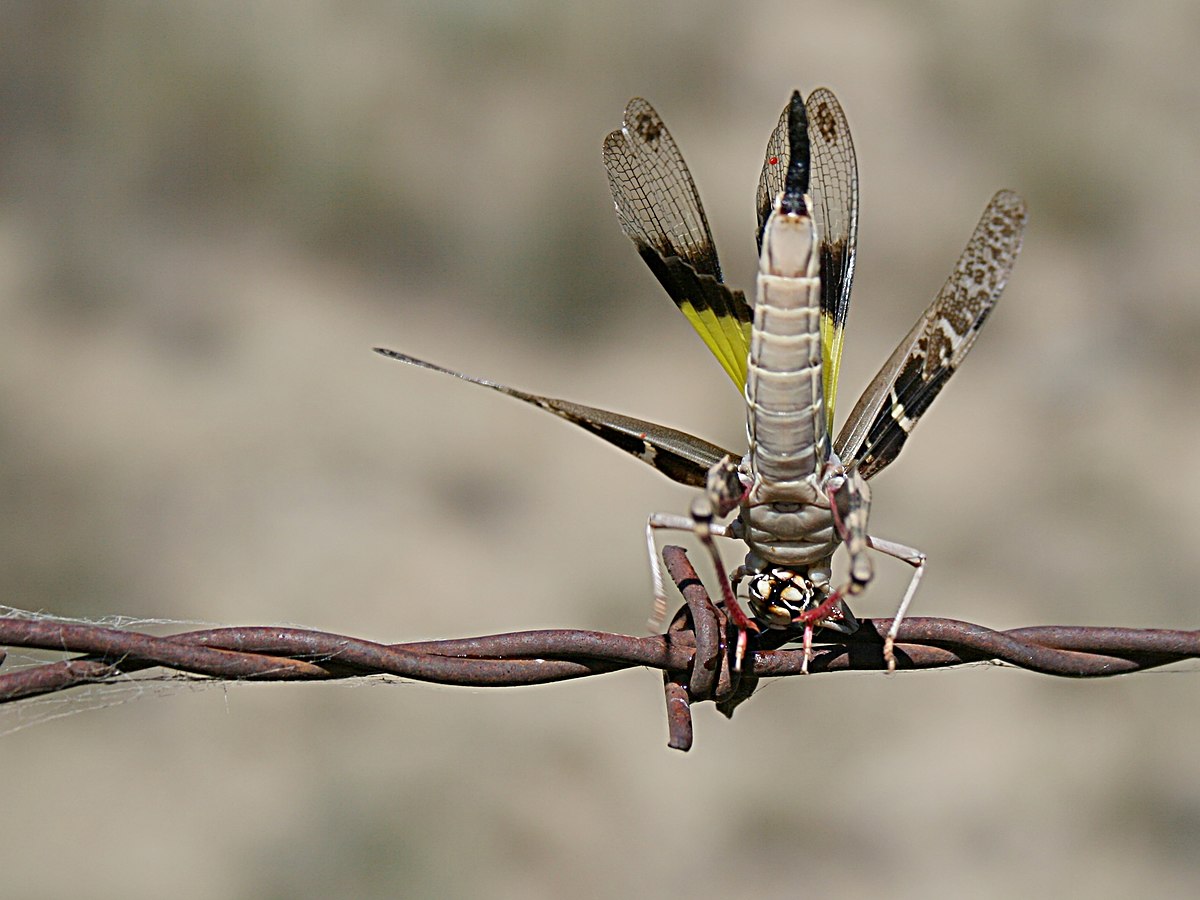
x=920, y=366
x=834, y=192
x=677, y=454
x=659, y=210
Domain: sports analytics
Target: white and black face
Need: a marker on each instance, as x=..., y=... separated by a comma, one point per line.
x=779, y=596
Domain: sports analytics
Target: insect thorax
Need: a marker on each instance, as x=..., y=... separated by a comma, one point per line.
x=790, y=523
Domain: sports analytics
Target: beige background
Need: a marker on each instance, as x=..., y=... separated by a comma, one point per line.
x=210, y=212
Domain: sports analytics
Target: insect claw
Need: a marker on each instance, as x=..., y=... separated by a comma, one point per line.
x=740, y=653
x=889, y=653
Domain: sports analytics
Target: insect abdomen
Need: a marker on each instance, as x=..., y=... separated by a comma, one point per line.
x=785, y=418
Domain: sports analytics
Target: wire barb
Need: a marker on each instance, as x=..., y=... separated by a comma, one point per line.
x=695, y=655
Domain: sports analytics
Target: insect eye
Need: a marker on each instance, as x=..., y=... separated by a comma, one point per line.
x=760, y=587
x=792, y=594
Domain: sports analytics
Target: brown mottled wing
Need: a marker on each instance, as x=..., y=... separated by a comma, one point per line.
x=834, y=191
x=919, y=367
x=677, y=454
x=660, y=211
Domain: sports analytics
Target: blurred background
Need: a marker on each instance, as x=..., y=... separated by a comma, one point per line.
x=210, y=212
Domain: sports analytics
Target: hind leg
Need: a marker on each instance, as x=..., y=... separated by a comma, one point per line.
x=914, y=558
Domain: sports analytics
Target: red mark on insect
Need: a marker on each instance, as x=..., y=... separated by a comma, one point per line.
x=774, y=161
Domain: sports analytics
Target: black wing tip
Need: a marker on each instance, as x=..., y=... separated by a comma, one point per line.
x=795, y=186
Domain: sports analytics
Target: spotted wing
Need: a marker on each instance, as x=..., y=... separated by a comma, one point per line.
x=919, y=367
x=834, y=192
x=677, y=454
x=659, y=210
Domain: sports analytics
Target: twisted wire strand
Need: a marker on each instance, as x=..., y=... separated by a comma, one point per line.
x=694, y=654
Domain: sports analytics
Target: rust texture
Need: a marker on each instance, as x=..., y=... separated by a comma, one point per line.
x=694, y=655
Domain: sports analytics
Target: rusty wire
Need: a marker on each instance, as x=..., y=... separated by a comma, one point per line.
x=693, y=655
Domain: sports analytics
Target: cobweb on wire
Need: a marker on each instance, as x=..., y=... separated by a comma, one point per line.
x=104, y=662
x=116, y=690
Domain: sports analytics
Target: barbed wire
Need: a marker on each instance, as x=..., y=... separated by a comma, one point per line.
x=694, y=654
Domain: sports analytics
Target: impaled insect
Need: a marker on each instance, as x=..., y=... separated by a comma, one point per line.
x=799, y=494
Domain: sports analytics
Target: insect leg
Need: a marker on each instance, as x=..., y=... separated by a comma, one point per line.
x=671, y=522
x=722, y=494
x=914, y=558
x=852, y=527
x=831, y=607
x=700, y=524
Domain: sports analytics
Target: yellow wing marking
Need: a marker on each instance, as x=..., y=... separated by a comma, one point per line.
x=728, y=339
x=832, y=335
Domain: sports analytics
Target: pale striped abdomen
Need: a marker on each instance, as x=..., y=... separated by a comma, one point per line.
x=786, y=516
x=785, y=420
